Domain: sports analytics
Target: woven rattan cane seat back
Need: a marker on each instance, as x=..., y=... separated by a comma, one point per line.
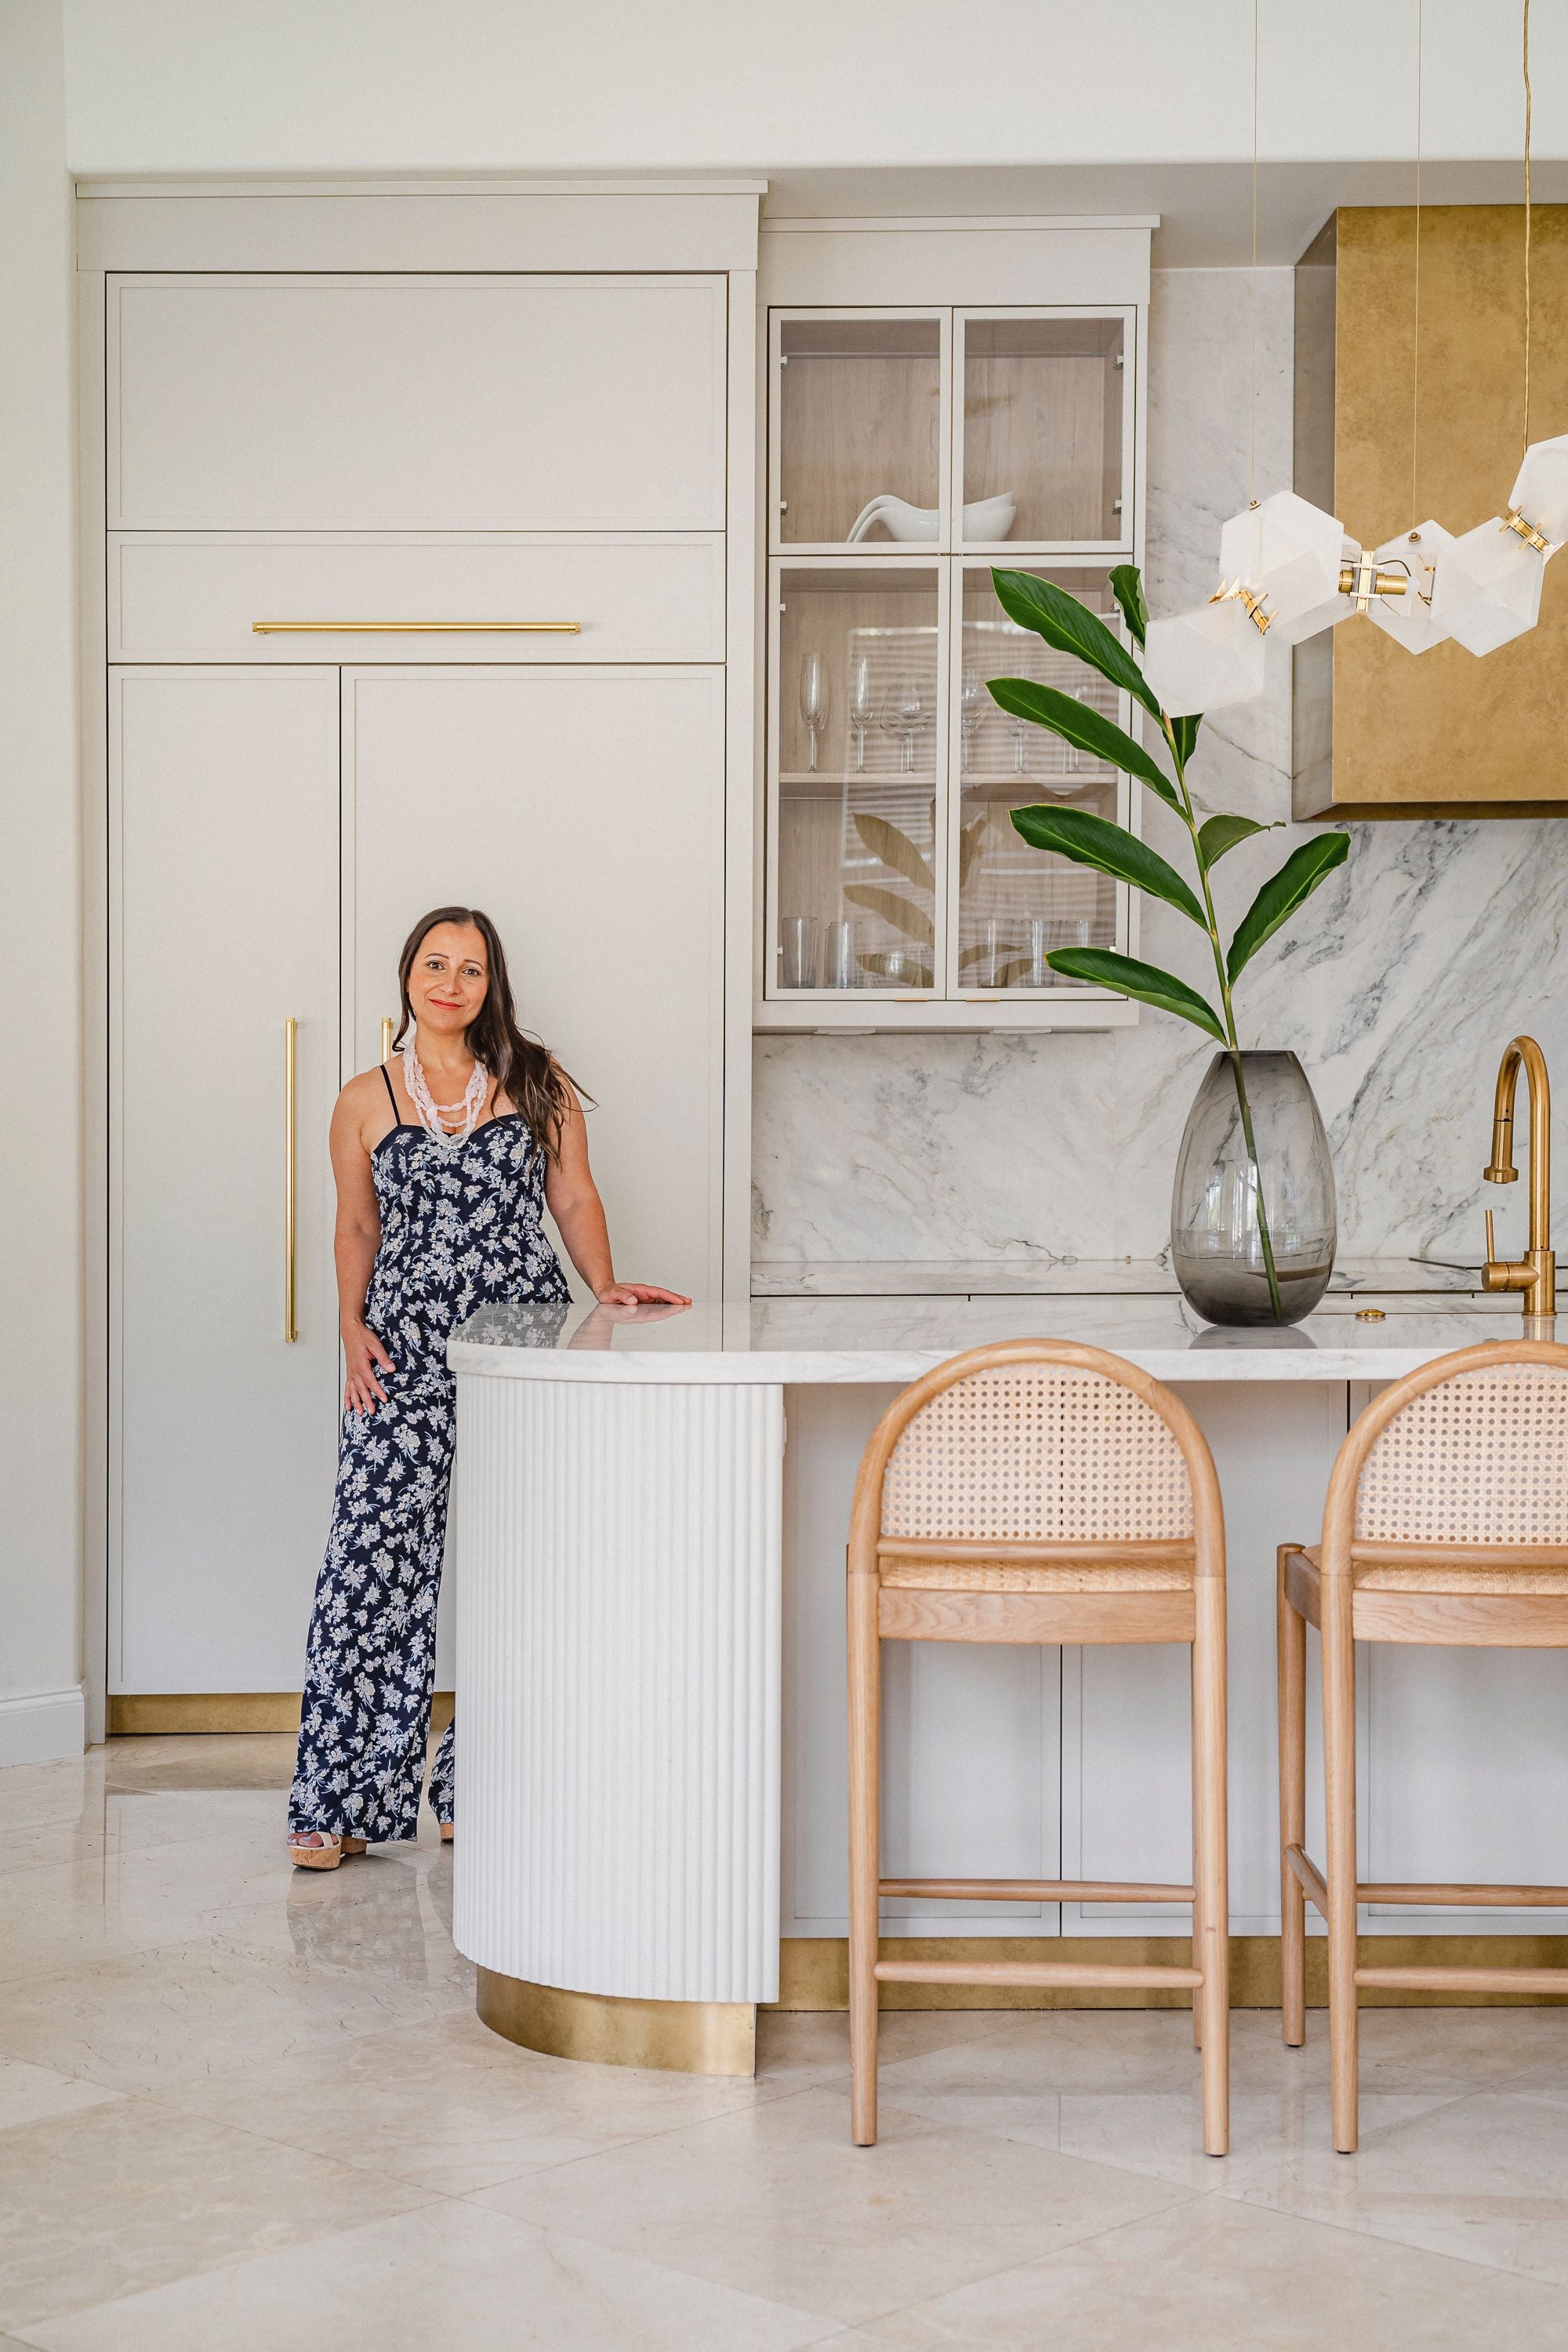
x=1051, y=1453
x=1480, y=1459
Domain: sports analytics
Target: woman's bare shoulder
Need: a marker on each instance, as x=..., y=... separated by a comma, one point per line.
x=362, y=1108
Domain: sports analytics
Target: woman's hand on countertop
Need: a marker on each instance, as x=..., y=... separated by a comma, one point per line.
x=639, y=1294
x=365, y=1357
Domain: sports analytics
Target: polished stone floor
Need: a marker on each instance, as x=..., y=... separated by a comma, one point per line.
x=246, y=2110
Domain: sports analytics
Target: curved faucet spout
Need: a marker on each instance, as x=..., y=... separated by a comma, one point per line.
x=1535, y=1274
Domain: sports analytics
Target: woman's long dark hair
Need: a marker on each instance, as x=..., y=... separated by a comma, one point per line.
x=526, y=1072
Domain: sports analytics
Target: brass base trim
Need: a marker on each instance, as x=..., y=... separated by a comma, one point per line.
x=814, y=1972
x=1408, y=812
x=682, y=2037
x=166, y=1713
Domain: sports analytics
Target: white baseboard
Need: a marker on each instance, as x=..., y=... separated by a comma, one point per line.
x=43, y=1727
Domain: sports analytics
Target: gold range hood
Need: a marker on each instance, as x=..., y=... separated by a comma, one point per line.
x=1380, y=733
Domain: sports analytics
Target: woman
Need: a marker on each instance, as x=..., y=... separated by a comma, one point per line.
x=444, y=1158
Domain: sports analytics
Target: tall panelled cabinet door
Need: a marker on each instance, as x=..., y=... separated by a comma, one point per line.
x=224, y=826
x=583, y=810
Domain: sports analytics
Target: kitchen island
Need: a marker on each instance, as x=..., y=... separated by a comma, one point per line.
x=650, y=1527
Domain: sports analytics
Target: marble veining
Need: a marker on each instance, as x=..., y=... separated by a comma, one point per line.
x=1397, y=987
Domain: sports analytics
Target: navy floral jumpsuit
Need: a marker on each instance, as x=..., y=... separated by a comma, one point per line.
x=460, y=1230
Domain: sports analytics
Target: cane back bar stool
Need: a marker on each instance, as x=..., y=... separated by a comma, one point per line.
x=1038, y=1492
x=1446, y=1522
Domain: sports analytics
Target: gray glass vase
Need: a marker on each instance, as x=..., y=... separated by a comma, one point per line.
x=1234, y=1263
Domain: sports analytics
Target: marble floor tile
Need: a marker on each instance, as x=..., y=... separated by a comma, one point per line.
x=452, y=2107
x=448, y=2276
x=777, y=2202
x=123, y=2197
x=1484, y=2178
x=33, y=2095
x=1213, y=2275
x=169, y=2013
x=1414, y=2050
x=801, y=2045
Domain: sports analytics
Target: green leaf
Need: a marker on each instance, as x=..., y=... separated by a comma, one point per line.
x=1072, y=628
x=913, y=921
x=1185, y=731
x=1283, y=893
x=1126, y=587
x=1218, y=834
x=895, y=849
x=1089, y=840
x=1076, y=723
x=1145, y=980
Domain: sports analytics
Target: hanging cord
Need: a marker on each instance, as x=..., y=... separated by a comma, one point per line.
x=1252, y=414
x=1415, y=359
x=1526, y=222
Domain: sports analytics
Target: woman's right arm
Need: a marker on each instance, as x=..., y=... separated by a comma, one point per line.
x=355, y=1240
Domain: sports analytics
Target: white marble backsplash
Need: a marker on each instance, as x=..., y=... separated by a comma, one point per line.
x=1398, y=984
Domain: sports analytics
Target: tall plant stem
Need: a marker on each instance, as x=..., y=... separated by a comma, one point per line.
x=1228, y=1009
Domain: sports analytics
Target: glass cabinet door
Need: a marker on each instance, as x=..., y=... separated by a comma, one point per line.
x=1016, y=904
x=1045, y=429
x=859, y=729
x=857, y=430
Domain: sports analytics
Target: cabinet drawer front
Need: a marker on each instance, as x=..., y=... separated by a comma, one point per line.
x=377, y=404
x=189, y=596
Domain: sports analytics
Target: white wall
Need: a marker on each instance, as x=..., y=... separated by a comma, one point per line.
x=405, y=85
x=1398, y=984
x=40, y=1126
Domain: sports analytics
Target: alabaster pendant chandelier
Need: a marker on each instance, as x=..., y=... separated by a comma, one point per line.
x=1287, y=567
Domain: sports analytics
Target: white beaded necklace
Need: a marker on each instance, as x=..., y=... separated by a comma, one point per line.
x=432, y=1114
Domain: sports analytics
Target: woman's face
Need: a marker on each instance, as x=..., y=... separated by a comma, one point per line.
x=446, y=985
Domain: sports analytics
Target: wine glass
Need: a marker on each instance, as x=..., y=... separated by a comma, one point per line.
x=862, y=704
x=813, y=701
x=1021, y=745
x=903, y=715
x=971, y=710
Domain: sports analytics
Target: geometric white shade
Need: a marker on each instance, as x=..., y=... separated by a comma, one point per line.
x=1204, y=660
x=1487, y=588
x=1288, y=553
x=1541, y=493
x=1409, y=619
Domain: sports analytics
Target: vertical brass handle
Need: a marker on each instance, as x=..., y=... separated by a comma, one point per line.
x=290, y=1173
x=386, y=1041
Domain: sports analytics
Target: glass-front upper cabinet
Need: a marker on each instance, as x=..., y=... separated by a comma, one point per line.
x=910, y=451
x=952, y=429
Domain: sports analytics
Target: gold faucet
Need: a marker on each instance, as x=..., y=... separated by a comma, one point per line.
x=1536, y=1273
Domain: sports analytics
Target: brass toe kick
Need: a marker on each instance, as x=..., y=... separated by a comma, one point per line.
x=683, y=2037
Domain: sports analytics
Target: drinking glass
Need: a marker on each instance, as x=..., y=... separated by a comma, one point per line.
x=1076, y=931
x=1022, y=730
x=797, y=952
x=814, y=700
x=839, y=968
x=904, y=714
x=1037, y=972
x=995, y=954
x=862, y=704
x=971, y=710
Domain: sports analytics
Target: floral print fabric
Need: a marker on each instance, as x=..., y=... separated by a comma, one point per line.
x=460, y=1230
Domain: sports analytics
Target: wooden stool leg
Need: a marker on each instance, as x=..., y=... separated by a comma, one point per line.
x=1292, y=1659
x=1197, y=1887
x=1211, y=1882
x=865, y=1863
x=1339, y=1759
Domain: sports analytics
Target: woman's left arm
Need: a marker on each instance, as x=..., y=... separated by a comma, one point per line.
x=572, y=1198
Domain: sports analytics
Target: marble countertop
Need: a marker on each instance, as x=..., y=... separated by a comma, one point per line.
x=811, y=1341
x=1059, y=1277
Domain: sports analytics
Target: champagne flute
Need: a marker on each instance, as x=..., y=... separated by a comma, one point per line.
x=813, y=701
x=971, y=710
x=862, y=704
x=903, y=715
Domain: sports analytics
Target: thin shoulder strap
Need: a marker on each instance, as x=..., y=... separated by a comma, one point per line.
x=391, y=1097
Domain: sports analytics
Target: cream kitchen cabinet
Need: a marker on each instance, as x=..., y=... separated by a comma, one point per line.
x=222, y=894
x=909, y=450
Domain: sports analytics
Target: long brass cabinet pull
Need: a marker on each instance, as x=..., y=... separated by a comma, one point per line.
x=386, y=1041
x=416, y=628
x=291, y=1173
